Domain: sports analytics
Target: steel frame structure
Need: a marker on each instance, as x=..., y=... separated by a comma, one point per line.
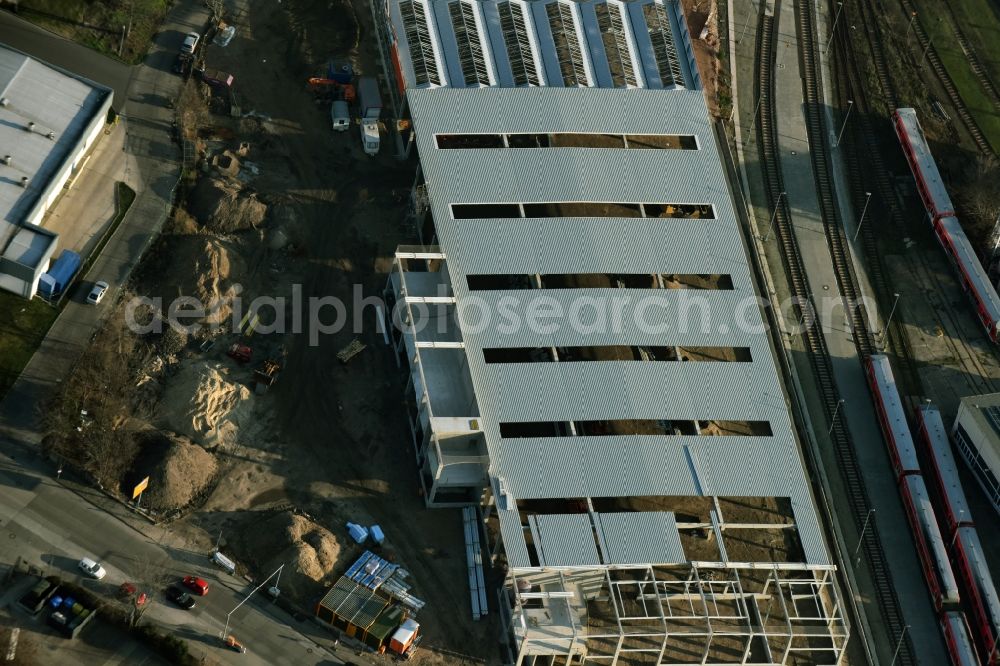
x=692, y=613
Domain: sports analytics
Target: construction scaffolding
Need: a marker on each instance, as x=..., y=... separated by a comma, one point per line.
x=695, y=613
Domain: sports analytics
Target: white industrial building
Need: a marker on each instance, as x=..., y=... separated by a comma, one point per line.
x=49, y=118
x=641, y=485
x=976, y=434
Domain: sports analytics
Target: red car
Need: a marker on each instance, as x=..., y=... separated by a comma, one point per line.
x=196, y=585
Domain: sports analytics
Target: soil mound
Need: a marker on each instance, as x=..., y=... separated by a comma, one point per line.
x=201, y=402
x=178, y=470
x=223, y=206
x=206, y=268
x=311, y=554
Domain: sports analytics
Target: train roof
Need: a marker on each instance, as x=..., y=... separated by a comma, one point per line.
x=932, y=536
x=972, y=266
x=893, y=406
x=924, y=159
x=940, y=449
x=973, y=550
x=959, y=629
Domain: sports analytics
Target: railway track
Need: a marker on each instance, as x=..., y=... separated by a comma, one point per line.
x=972, y=57
x=885, y=206
x=873, y=34
x=767, y=136
x=927, y=48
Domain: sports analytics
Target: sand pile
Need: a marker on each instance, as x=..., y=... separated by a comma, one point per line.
x=207, y=268
x=202, y=402
x=311, y=553
x=223, y=206
x=178, y=470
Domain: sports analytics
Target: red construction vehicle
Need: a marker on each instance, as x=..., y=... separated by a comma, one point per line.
x=323, y=87
x=240, y=352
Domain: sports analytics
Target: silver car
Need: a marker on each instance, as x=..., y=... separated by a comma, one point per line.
x=96, y=294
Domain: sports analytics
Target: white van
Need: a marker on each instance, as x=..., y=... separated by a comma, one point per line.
x=340, y=116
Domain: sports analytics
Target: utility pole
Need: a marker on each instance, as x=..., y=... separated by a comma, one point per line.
x=868, y=197
x=770, y=227
x=833, y=30
x=898, y=645
x=225, y=632
x=833, y=422
x=861, y=538
x=850, y=105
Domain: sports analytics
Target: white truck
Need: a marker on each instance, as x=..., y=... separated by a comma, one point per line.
x=369, y=136
x=370, y=103
x=340, y=116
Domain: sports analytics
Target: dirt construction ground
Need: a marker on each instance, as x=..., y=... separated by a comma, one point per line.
x=275, y=204
x=339, y=447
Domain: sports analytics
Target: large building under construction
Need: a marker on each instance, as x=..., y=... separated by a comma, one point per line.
x=589, y=365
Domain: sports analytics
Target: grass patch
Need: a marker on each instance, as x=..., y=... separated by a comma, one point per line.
x=98, y=23
x=23, y=325
x=980, y=21
x=939, y=29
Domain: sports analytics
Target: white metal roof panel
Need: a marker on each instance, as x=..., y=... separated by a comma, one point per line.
x=629, y=390
x=565, y=540
x=607, y=466
x=600, y=245
x=640, y=538
x=668, y=317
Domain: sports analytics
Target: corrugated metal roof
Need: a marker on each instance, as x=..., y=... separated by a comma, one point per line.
x=55, y=102
x=640, y=538
x=565, y=540
x=443, y=33
x=608, y=466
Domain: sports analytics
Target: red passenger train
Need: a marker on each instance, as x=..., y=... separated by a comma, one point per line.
x=931, y=548
x=941, y=212
x=976, y=582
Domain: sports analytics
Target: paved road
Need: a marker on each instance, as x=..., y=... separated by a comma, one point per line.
x=50, y=526
x=42, y=520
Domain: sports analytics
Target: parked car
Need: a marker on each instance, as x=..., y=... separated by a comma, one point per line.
x=182, y=64
x=190, y=42
x=196, y=585
x=92, y=568
x=96, y=294
x=224, y=36
x=180, y=597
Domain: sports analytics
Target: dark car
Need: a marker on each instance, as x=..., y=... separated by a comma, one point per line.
x=182, y=64
x=180, y=597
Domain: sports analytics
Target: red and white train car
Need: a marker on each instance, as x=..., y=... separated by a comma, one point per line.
x=920, y=513
x=946, y=226
x=968, y=557
x=956, y=636
x=919, y=510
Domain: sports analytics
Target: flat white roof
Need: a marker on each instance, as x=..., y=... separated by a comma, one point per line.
x=29, y=245
x=37, y=100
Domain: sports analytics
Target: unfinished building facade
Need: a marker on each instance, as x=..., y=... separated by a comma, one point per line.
x=643, y=489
